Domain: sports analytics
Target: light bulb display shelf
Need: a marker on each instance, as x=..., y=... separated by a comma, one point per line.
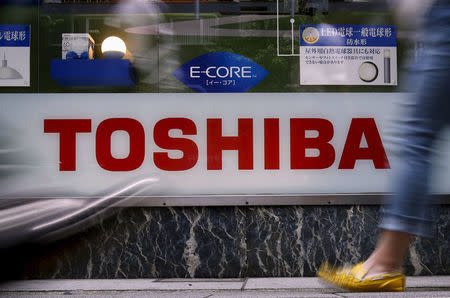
x=93, y=72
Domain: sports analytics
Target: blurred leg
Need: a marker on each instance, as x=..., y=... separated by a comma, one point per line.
x=389, y=254
x=407, y=212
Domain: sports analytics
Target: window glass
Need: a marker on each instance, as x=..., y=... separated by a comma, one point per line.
x=161, y=36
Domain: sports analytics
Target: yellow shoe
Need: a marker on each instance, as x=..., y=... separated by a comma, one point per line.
x=354, y=279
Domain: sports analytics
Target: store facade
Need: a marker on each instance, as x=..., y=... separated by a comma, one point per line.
x=232, y=143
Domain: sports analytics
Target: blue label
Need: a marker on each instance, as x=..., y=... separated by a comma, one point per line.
x=348, y=35
x=14, y=35
x=220, y=72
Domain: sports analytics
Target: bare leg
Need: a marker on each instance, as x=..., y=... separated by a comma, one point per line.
x=389, y=254
x=381, y=271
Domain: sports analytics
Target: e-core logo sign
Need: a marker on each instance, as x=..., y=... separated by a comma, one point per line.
x=220, y=72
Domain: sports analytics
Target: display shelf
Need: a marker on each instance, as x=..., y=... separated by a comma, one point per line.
x=94, y=72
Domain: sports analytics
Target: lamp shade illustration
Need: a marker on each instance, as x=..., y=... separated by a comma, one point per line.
x=8, y=73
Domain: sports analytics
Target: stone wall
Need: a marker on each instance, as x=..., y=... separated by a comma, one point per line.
x=223, y=242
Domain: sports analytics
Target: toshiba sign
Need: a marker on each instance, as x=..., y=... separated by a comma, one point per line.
x=216, y=142
x=202, y=144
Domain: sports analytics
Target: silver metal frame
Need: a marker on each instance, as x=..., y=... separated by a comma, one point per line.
x=251, y=200
x=266, y=200
x=254, y=200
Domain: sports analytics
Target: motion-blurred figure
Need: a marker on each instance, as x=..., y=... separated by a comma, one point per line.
x=47, y=219
x=33, y=210
x=407, y=212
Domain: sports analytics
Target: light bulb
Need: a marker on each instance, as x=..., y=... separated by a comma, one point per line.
x=114, y=47
x=368, y=72
x=387, y=66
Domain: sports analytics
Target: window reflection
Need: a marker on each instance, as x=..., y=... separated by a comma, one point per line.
x=161, y=36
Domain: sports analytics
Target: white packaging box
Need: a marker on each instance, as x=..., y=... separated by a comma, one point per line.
x=81, y=44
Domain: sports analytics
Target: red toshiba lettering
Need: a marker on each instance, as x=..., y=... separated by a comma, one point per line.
x=272, y=144
x=188, y=147
x=67, y=129
x=243, y=143
x=299, y=143
x=374, y=151
x=103, y=144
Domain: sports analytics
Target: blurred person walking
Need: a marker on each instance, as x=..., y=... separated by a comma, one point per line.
x=407, y=212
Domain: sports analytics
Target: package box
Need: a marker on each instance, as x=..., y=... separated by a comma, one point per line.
x=77, y=46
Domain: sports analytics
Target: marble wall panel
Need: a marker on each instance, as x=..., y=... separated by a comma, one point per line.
x=222, y=242
x=295, y=240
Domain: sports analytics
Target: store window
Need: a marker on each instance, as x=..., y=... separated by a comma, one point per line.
x=207, y=97
x=158, y=38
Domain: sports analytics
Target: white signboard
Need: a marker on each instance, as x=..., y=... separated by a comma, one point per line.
x=200, y=144
x=348, y=55
x=14, y=55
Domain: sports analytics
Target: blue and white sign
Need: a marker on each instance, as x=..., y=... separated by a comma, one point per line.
x=348, y=55
x=14, y=55
x=220, y=72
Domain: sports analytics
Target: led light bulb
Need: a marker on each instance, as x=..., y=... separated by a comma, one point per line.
x=368, y=72
x=114, y=47
x=387, y=66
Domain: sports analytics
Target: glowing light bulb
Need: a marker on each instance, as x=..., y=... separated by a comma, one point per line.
x=114, y=47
